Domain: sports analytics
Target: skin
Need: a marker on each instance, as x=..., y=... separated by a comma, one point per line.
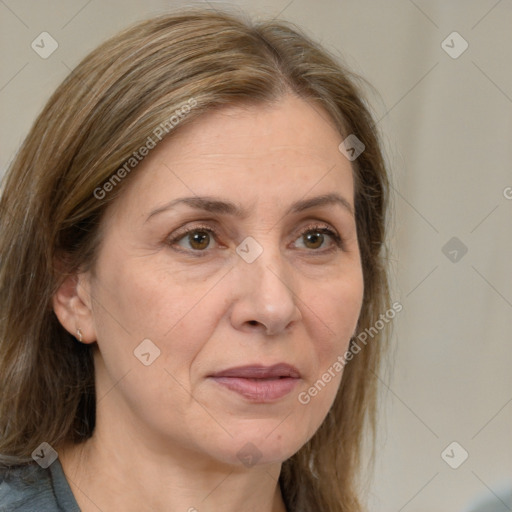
x=167, y=436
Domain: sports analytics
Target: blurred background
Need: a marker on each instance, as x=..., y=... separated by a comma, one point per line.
x=442, y=73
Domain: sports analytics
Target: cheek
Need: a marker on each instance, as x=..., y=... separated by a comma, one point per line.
x=145, y=300
x=152, y=302
x=335, y=310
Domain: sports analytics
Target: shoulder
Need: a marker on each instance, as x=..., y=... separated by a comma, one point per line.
x=20, y=486
x=500, y=500
x=29, y=487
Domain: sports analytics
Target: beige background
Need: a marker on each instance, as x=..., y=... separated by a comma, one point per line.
x=447, y=125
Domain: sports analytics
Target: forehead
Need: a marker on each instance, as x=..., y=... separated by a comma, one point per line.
x=291, y=125
x=256, y=153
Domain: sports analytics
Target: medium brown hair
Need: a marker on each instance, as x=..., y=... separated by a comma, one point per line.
x=103, y=112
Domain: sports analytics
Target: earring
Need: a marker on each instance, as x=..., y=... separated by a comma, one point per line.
x=79, y=334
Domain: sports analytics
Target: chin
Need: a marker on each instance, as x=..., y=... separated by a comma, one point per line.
x=263, y=445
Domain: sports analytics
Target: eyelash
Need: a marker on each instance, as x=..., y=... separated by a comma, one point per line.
x=318, y=228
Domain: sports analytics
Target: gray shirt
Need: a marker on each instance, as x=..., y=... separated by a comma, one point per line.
x=30, y=488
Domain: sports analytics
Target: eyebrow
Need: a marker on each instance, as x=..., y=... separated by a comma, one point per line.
x=213, y=205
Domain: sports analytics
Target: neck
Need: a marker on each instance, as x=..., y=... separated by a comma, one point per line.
x=108, y=472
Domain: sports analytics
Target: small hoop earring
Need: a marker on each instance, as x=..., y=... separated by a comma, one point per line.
x=79, y=334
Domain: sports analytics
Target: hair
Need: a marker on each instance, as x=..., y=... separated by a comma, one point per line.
x=50, y=220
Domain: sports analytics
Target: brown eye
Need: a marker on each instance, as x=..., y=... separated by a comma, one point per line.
x=313, y=239
x=194, y=240
x=319, y=239
x=199, y=239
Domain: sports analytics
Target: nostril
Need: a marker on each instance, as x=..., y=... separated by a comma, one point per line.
x=253, y=322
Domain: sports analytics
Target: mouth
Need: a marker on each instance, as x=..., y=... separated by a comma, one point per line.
x=259, y=383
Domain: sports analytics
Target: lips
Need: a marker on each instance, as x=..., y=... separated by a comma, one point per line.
x=259, y=383
x=261, y=372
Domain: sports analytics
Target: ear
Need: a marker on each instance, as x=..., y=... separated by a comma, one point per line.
x=72, y=305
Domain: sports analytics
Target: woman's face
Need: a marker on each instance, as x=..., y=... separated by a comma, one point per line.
x=223, y=254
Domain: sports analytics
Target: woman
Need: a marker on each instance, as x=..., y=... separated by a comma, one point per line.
x=192, y=239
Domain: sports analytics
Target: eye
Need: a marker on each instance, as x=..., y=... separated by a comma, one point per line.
x=316, y=237
x=197, y=239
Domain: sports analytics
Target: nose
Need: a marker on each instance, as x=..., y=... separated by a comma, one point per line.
x=265, y=299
